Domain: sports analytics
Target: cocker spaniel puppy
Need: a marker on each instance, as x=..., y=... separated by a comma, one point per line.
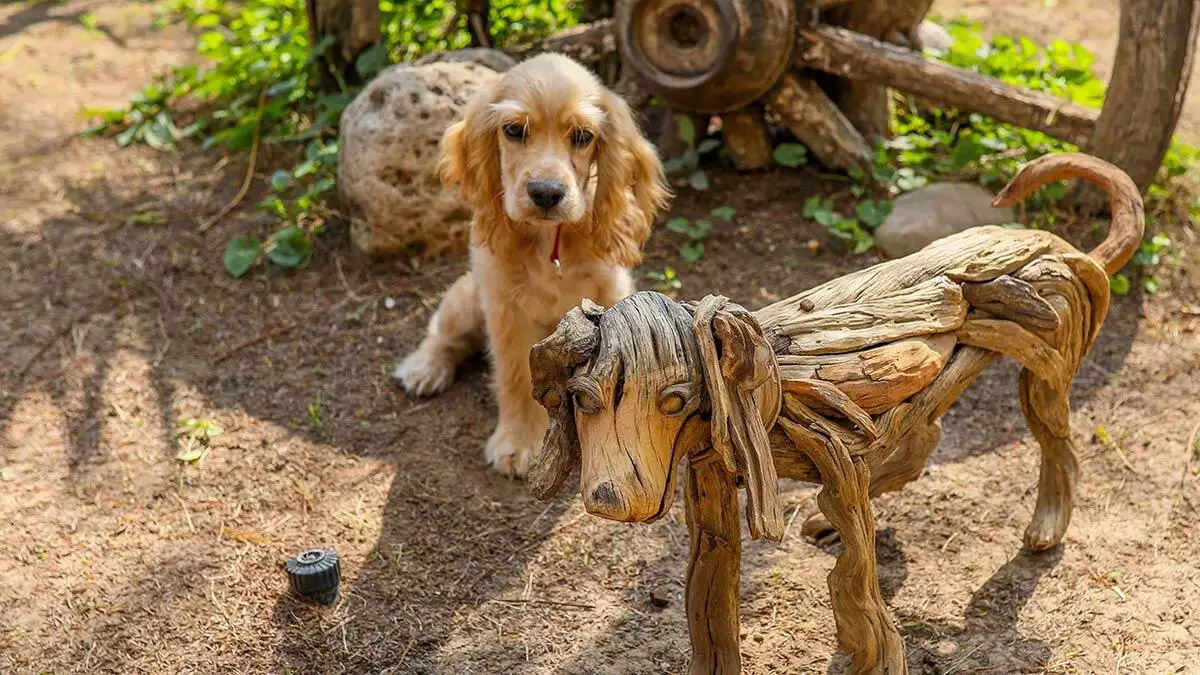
x=565, y=190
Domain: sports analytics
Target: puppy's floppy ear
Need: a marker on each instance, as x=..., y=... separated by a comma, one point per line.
x=470, y=159
x=630, y=187
x=745, y=393
x=552, y=362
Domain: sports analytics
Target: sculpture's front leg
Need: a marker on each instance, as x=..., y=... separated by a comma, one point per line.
x=865, y=629
x=715, y=568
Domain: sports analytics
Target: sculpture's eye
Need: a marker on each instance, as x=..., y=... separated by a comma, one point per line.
x=673, y=401
x=587, y=394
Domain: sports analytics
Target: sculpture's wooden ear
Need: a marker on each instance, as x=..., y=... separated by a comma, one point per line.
x=552, y=362
x=742, y=377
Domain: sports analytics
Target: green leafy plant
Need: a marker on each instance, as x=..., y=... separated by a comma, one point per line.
x=290, y=247
x=314, y=412
x=856, y=231
x=790, y=155
x=666, y=281
x=695, y=232
x=689, y=162
x=193, y=437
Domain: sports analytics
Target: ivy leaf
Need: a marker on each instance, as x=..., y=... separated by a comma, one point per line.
x=698, y=180
x=723, y=212
x=692, y=251
x=280, y=180
x=680, y=225
x=371, y=61
x=1152, y=284
x=707, y=145
x=687, y=130
x=863, y=242
x=240, y=255
x=291, y=248
x=790, y=155
x=1119, y=283
x=871, y=214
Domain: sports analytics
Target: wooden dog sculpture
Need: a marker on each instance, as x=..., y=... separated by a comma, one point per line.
x=842, y=385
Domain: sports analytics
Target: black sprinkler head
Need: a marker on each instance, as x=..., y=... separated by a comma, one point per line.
x=315, y=575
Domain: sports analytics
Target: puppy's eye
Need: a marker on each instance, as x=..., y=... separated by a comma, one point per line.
x=673, y=401
x=514, y=132
x=582, y=138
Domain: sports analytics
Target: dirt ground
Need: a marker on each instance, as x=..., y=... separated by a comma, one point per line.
x=117, y=558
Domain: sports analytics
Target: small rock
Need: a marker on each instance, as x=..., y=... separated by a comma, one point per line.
x=930, y=35
x=933, y=212
x=659, y=597
x=389, y=303
x=814, y=246
x=388, y=157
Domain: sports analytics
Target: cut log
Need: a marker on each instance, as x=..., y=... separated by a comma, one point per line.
x=847, y=54
x=1146, y=91
x=353, y=26
x=587, y=43
x=865, y=103
x=818, y=123
x=746, y=138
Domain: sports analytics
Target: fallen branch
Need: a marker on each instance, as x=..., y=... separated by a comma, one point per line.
x=858, y=57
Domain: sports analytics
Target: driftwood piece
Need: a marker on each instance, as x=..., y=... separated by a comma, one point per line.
x=859, y=57
x=746, y=138
x=842, y=385
x=905, y=367
x=818, y=123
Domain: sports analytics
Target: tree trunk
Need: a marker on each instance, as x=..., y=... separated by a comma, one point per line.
x=479, y=22
x=865, y=104
x=354, y=27
x=1150, y=78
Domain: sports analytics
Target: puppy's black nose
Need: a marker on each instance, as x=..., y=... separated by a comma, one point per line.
x=546, y=193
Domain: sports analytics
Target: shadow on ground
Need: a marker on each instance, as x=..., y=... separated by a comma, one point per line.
x=454, y=536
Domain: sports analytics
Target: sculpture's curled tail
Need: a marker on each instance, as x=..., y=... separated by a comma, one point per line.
x=1125, y=201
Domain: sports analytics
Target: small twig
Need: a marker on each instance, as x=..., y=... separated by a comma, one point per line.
x=186, y=514
x=262, y=99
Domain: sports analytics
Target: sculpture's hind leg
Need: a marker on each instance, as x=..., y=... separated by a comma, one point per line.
x=1048, y=413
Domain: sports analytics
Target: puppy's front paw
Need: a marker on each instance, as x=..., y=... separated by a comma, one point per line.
x=423, y=374
x=509, y=451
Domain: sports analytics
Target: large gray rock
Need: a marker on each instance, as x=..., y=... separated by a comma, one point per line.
x=935, y=211
x=388, y=156
x=930, y=35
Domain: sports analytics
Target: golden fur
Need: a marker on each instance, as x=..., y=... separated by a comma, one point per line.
x=548, y=121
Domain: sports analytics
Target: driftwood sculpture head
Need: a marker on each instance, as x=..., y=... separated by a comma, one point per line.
x=634, y=389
